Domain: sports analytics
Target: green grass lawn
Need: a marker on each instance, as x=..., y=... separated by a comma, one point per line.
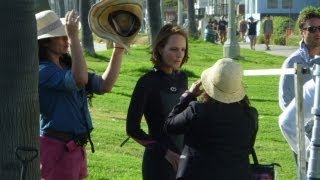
x=110, y=161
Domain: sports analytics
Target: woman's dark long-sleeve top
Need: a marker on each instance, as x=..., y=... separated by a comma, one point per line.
x=218, y=138
x=154, y=96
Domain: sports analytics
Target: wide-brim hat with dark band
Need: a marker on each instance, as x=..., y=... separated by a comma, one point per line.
x=116, y=20
x=49, y=25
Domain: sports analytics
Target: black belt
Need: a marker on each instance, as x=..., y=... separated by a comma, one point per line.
x=60, y=135
x=80, y=140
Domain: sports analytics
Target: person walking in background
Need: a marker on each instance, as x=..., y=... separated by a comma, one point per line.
x=154, y=96
x=252, y=32
x=209, y=32
x=308, y=23
x=219, y=129
x=267, y=27
x=215, y=29
x=243, y=28
x=222, y=29
x=64, y=89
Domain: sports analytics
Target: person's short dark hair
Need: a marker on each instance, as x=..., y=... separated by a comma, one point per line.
x=306, y=14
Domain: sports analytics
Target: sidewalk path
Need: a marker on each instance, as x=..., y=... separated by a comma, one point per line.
x=275, y=49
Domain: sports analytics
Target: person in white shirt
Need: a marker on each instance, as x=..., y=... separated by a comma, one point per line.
x=287, y=120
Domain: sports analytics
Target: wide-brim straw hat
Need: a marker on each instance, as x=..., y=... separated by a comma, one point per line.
x=117, y=20
x=223, y=81
x=49, y=25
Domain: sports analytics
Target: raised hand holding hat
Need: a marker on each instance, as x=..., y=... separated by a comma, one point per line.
x=116, y=20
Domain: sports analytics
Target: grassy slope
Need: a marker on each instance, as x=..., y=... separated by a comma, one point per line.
x=109, y=111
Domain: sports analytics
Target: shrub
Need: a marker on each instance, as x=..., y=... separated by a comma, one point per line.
x=280, y=24
x=279, y=40
x=294, y=40
x=260, y=39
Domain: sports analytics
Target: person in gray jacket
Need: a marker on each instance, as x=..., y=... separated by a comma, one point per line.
x=267, y=27
x=219, y=130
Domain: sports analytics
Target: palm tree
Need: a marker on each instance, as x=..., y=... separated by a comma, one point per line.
x=154, y=17
x=62, y=9
x=192, y=28
x=19, y=104
x=42, y=5
x=87, y=38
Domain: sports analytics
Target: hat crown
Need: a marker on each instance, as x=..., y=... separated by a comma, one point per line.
x=124, y=23
x=116, y=20
x=223, y=81
x=49, y=25
x=227, y=76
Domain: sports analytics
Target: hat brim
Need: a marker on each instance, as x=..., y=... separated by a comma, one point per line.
x=100, y=25
x=214, y=92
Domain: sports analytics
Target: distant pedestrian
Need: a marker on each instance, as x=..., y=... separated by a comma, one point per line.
x=243, y=28
x=222, y=29
x=252, y=32
x=209, y=32
x=267, y=28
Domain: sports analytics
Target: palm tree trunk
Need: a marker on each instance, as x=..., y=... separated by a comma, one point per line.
x=19, y=104
x=87, y=38
x=192, y=29
x=154, y=17
x=62, y=9
x=42, y=5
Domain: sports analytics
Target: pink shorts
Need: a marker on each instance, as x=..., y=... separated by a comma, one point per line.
x=56, y=162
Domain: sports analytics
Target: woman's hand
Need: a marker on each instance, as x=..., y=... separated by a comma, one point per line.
x=118, y=46
x=72, y=23
x=195, y=88
x=173, y=159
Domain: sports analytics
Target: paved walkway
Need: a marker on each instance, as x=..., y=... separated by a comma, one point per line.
x=275, y=49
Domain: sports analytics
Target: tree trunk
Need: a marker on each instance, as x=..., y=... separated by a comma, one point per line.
x=154, y=18
x=62, y=8
x=87, y=38
x=192, y=28
x=180, y=12
x=19, y=103
x=42, y=5
x=77, y=5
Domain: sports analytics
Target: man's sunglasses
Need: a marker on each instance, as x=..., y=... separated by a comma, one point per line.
x=312, y=29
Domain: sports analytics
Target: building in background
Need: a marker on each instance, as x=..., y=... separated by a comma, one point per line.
x=258, y=9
